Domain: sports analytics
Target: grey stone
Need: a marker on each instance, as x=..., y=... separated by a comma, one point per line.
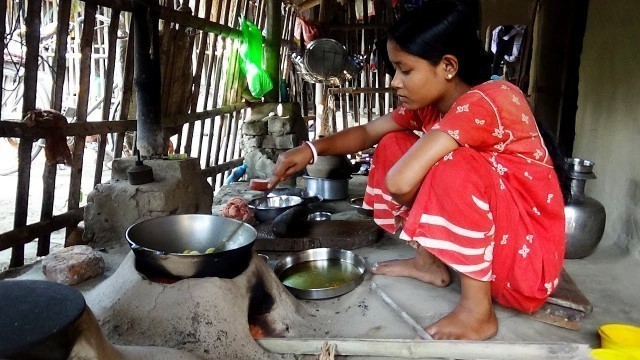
x=73, y=265
x=268, y=142
x=288, y=141
x=260, y=165
x=249, y=142
x=258, y=127
x=279, y=126
x=179, y=188
x=260, y=111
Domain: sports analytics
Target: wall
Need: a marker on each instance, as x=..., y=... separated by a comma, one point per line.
x=608, y=118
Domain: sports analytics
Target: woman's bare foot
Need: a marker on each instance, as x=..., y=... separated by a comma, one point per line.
x=424, y=267
x=472, y=319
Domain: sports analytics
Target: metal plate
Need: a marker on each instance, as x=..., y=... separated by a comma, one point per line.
x=321, y=273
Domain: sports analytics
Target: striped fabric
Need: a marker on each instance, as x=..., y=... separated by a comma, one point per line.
x=491, y=209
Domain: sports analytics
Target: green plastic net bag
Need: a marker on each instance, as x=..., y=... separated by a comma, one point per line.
x=251, y=64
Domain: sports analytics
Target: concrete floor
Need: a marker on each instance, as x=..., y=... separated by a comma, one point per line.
x=609, y=279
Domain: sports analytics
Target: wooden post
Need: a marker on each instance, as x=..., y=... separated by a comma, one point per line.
x=321, y=123
x=272, y=50
x=147, y=81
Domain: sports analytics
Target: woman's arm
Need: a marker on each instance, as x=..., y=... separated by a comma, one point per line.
x=344, y=142
x=405, y=178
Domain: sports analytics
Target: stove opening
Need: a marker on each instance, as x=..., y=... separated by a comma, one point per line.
x=260, y=304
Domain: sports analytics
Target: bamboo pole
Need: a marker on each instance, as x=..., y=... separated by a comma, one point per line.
x=50, y=171
x=272, y=48
x=354, y=91
x=171, y=15
x=108, y=91
x=34, y=8
x=197, y=77
x=127, y=90
x=26, y=234
x=3, y=17
x=86, y=48
x=83, y=129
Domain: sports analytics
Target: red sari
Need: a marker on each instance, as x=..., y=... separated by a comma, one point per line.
x=491, y=209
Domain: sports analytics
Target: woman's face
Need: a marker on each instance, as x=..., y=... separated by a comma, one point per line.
x=418, y=83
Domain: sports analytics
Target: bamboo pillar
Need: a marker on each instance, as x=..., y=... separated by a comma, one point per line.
x=321, y=124
x=147, y=81
x=272, y=50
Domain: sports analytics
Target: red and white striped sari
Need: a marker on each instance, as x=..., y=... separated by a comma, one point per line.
x=491, y=209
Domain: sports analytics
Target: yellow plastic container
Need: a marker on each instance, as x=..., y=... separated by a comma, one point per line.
x=621, y=337
x=609, y=354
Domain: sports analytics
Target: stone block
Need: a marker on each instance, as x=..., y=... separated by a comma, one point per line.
x=268, y=142
x=288, y=141
x=258, y=127
x=291, y=109
x=260, y=164
x=251, y=142
x=73, y=265
x=262, y=110
x=279, y=126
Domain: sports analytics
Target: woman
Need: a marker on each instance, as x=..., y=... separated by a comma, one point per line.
x=476, y=192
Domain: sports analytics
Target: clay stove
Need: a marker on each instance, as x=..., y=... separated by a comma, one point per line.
x=209, y=318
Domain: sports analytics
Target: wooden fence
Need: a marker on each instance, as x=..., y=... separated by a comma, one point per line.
x=203, y=108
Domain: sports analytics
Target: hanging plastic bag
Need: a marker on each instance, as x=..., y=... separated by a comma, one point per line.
x=251, y=54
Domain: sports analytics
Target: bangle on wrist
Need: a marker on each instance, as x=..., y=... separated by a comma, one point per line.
x=314, y=151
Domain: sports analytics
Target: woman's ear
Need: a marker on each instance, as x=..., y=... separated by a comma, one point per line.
x=449, y=65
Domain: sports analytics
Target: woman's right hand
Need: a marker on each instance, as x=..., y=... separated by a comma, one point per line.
x=289, y=163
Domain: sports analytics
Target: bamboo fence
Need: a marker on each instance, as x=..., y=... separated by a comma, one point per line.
x=87, y=61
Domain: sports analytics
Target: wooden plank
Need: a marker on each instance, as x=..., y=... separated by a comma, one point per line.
x=220, y=168
x=32, y=37
x=22, y=197
x=60, y=59
x=171, y=15
x=108, y=92
x=419, y=349
x=25, y=234
x=127, y=90
x=34, y=8
x=3, y=18
x=568, y=294
x=86, y=48
x=561, y=316
x=50, y=171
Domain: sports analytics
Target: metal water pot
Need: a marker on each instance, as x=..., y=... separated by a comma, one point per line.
x=585, y=216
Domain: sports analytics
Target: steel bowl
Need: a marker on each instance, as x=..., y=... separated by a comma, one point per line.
x=321, y=273
x=159, y=246
x=268, y=208
x=319, y=216
x=356, y=203
x=328, y=189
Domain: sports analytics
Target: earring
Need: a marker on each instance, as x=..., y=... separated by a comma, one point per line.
x=449, y=76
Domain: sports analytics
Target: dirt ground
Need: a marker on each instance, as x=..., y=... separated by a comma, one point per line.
x=8, y=184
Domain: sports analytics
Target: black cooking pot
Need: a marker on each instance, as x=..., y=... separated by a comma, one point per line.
x=159, y=245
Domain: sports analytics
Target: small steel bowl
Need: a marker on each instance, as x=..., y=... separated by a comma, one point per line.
x=269, y=208
x=319, y=216
x=357, y=204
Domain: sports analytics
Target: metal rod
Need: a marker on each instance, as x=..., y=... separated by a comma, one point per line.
x=408, y=319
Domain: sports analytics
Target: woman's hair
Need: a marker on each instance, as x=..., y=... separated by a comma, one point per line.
x=441, y=27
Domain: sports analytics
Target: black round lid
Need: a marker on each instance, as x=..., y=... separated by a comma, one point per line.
x=34, y=310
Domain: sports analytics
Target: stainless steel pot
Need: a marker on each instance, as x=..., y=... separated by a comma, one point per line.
x=159, y=246
x=328, y=189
